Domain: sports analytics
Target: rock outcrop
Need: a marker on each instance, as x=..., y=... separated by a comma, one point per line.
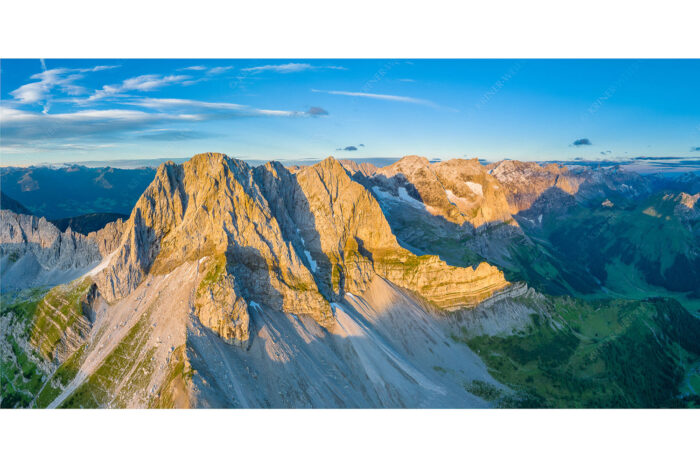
x=357, y=240
x=63, y=320
x=290, y=242
x=210, y=206
x=35, y=253
x=109, y=237
x=461, y=191
x=530, y=185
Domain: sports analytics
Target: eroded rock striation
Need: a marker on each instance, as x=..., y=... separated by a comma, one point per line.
x=459, y=190
x=264, y=236
x=529, y=185
x=34, y=253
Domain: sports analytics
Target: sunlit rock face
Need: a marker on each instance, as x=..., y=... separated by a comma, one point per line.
x=527, y=184
x=291, y=242
x=461, y=191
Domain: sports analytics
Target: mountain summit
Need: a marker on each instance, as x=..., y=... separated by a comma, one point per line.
x=346, y=285
x=289, y=242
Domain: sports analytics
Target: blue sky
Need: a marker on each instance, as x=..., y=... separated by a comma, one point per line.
x=71, y=110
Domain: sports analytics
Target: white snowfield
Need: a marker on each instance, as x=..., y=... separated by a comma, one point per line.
x=476, y=188
x=312, y=263
x=403, y=196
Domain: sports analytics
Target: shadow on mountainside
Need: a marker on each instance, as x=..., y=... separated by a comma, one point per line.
x=614, y=245
x=505, y=245
x=291, y=208
x=400, y=357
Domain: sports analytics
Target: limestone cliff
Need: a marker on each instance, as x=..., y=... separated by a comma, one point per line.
x=35, y=253
x=529, y=184
x=291, y=242
x=210, y=206
x=461, y=191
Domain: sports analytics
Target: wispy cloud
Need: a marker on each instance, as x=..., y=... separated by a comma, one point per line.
x=138, y=83
x=19, y=127
x=291, y=68
x=22, y=126
x=100, y=68
x=168, y=134
x=383, y=97
x=132, y=114
x=61, y=79
x=230, y=108
x=217, y=70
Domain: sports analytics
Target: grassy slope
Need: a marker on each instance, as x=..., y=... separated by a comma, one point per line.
x=60, y=309
x=37, y=321
x=606, y=353
x=634, y=252
x=100, y=389
x=20, y=377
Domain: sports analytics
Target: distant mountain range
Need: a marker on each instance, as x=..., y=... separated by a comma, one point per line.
x=56, y=193
x=414, y=283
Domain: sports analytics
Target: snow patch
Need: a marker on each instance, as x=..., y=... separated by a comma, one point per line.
x=103, y=264
x=454, y=198
x=476, y=188
x=403, y=196
x=312, y=263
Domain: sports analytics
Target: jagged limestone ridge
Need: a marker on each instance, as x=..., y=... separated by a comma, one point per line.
x=290, y=242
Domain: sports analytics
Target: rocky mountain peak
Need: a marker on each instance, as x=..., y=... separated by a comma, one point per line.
x=286, y=241
x=458, y=190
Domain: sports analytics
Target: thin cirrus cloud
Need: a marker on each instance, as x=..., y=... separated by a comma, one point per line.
x=19, y=127
x=228, y=108
x=217, y=70
x=135, y=116
x=138, y=83
x=167, y=134
x=382, y=97
x=61, y=79
x=291, y=68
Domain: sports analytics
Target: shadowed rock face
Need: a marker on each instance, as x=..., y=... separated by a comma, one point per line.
x=211, y=207
x=35, y=253
x=288, y=242
x=525, y=183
